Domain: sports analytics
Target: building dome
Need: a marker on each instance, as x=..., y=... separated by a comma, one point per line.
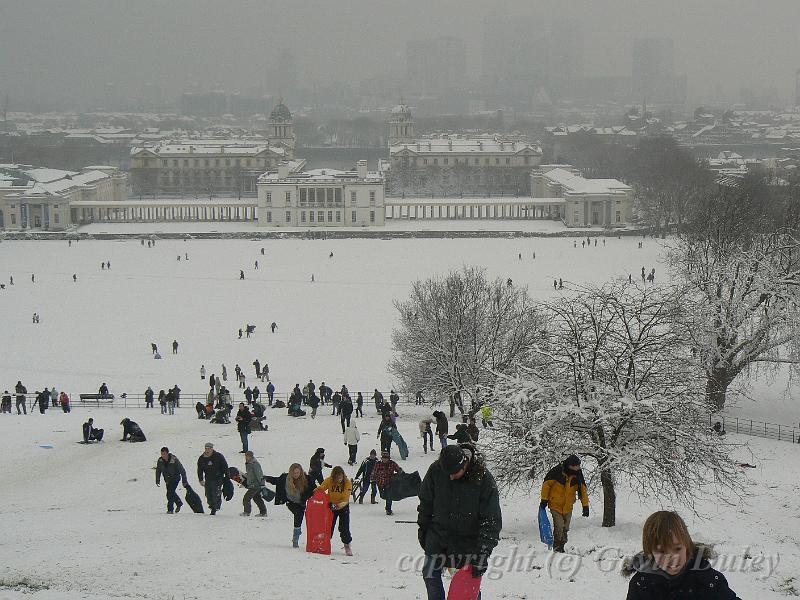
x=280, y=113
x=401, y=111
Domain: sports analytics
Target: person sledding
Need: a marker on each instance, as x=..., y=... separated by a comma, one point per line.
x=459, y=517
x=339, y=487
x=562, y=484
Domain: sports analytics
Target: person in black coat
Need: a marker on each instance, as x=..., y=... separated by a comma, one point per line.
x=131, y=432
x=672, y=566
x=345, y=411
x=441, y=427
x=315, y=467
x=171, y=468
x=148, y=397
x=90, y=434
x=459, y=518
x=243, y=425
x=359, y=405
x=212, y=471
x=461, y=435
x=293, y=489
x=385, y=433
x=103, y=391
x=248, y=394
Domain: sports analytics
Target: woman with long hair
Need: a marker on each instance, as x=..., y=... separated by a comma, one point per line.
x=293, y=489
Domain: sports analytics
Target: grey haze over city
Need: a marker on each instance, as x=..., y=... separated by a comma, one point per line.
x=68, y=55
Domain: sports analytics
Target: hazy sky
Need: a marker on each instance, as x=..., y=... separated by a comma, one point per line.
x=70, y=48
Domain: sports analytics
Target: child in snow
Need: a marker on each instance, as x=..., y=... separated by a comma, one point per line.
x=339, y=487
x=672, y=566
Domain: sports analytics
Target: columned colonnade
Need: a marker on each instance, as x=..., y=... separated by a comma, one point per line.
x=160, y=211
x=461, y=208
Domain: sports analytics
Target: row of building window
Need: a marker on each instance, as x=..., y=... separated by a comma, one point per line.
x=487, y=161
x=320, y=195
x=208, y=162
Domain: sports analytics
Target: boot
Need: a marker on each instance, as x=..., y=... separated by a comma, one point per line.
x=347, y=550
x=372, y=499
x=296, y=537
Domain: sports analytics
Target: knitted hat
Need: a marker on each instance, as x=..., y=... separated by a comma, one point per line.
x=572, y=461
x=209, y=445
x=452, y=459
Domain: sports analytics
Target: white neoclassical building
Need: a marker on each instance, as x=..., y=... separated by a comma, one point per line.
x=35, y=198
x=321, y=198
x=560, y=191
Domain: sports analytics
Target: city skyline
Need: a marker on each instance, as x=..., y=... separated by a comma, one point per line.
x=88, y=49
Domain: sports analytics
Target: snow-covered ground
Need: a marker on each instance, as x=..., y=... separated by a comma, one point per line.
x=87, y=522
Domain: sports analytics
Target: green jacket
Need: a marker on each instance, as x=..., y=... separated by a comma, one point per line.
x=459, y=516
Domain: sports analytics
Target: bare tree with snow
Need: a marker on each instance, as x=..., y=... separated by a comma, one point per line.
x=459, y=331
x=616, y=382
x=743, y=303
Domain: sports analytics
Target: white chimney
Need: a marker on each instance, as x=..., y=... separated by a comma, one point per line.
x=361, y=168
x=283, y=170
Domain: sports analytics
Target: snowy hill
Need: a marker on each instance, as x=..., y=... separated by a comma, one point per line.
x=88, y=522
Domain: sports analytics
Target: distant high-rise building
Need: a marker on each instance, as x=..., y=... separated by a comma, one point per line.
x=436, y=65
x=285, y=83
x=653, y=73
x=797, y=88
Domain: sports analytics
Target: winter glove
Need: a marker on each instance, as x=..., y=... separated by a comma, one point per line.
x=480, y=564
x=543, y=504
x=421, y=535
x=585, y=511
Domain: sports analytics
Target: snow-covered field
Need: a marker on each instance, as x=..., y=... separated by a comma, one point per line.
x=88, y=522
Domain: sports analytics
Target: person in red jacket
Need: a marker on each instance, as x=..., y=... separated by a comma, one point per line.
x=382, y=474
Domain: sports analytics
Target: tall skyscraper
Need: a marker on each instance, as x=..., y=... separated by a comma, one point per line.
x=797, y=88
x=436, y=65
x=653, y=73
x=286, y=74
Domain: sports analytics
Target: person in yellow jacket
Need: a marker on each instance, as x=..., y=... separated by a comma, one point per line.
x=562, y=484
x=339, y=487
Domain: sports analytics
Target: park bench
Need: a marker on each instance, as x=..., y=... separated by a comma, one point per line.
x=97, y=398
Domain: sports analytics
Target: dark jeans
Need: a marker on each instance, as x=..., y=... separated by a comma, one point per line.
x=269, y=395
x=298, y=511
x=385, y=496
x=255, y=496
x=364, y=486
x=214, y=493
x=359, y=412
x=386, y=443
x=353, y=449
x=173, y=499
x=343, y=516
x=22, y=404
x=428, y=434
x=345, y=420
x=243, y=435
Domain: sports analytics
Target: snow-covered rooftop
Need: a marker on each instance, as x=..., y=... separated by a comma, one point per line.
x=461, y=145
x=320, y=176
x=576, y=184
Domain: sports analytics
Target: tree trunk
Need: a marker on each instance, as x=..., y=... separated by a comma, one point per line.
x=609, y=498
x=717, y=382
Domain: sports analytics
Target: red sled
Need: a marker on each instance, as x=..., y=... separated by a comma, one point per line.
x=463, y=586
x=319, y=519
